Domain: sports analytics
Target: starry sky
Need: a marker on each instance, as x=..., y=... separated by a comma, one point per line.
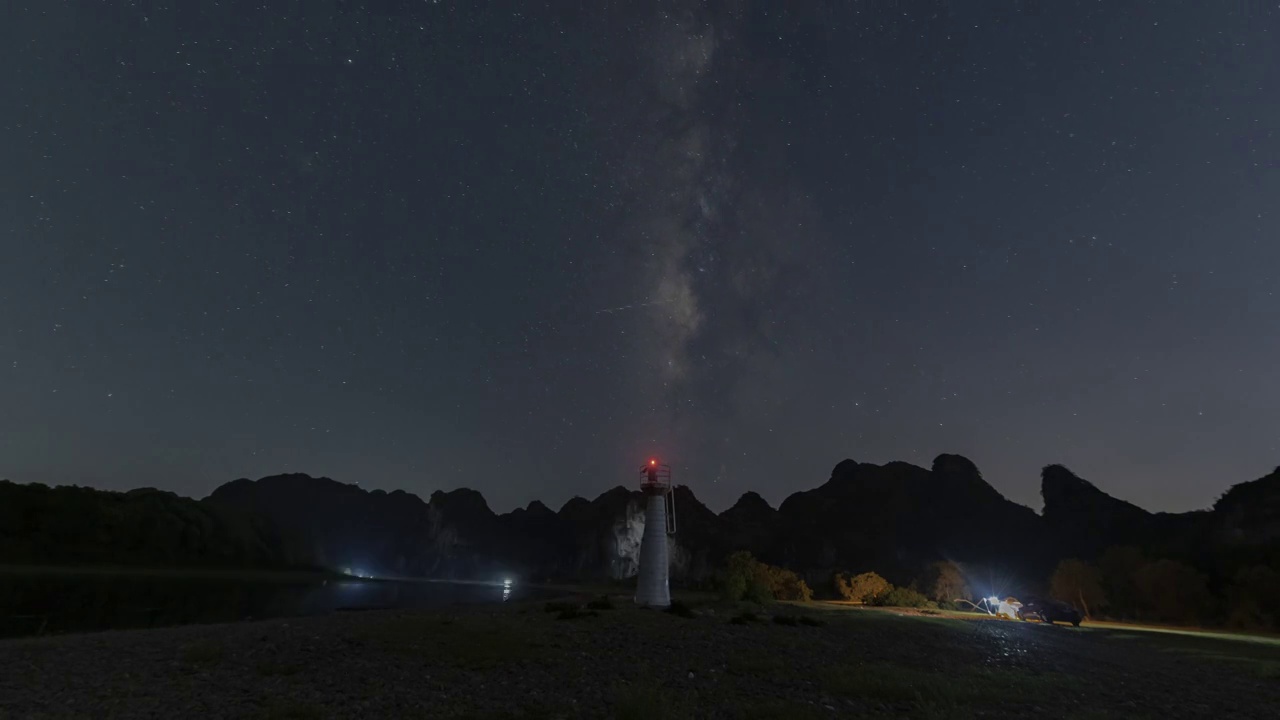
x=523, y=246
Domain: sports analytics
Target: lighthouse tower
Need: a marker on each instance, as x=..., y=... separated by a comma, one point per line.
x=652, y=587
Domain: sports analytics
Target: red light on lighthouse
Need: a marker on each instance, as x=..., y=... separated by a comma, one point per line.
x=653, y=462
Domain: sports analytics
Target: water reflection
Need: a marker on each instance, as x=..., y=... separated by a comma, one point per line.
x=41, y=604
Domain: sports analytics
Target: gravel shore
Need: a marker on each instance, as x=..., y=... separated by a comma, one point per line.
x=521, y=661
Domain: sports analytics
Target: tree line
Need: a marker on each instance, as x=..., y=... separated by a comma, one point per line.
x=1125, y=584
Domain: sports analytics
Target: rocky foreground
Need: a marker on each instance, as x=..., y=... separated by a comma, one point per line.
x=528, y=660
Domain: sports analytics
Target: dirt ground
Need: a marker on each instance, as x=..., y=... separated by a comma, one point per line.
x=525, y=661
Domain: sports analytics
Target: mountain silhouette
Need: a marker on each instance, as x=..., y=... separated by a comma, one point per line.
x=894, y=519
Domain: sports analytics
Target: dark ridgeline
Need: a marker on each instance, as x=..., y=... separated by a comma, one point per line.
x=894, y=518
x=83, y=526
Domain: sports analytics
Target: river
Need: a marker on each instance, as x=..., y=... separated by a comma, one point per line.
x=42, y=601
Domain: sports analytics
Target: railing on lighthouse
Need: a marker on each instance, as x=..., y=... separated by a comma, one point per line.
x=655, y=479
x=652, y=585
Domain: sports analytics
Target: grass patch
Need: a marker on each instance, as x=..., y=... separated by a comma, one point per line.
x=779, y=710
x=575, y=611
x=270, y=667
x=796, y=620
x=939, y=693
x=575, y=614
x=478, y=643
x=292, y=710
x=680, y=609
x=1262, y=668
x=536, y=711
x=762, y=665
x=647, y=700
x=203, y=652
x=1255, y=655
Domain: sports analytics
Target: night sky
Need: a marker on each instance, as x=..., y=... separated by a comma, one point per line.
x=524, y=246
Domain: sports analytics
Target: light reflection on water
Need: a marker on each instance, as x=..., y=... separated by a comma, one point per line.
x=34, y=605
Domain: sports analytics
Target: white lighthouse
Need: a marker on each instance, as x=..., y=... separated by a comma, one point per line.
x=653, y=586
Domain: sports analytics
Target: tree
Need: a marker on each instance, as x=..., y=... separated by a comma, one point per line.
x=1118, y=568
x=786, y=585
x=863, y=588
x=1253, y=600
x=943, y=582
x=1078, y=583
x=745, y=578
x=1169, y=591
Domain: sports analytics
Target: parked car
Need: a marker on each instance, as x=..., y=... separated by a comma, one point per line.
x=1047, y=610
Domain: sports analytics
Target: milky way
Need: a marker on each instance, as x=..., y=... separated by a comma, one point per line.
x=517, y=248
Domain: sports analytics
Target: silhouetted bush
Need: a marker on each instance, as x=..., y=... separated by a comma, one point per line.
x=790, y=620
x=812, y=621
x=560, y=606
x=744, y=618
x=902, y=597
x=601, y=603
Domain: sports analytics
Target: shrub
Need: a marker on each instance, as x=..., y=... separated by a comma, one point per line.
x=902, y=597
x=786, y=585
x=745, y=578
x=758, y=593
x=790, y=620
x=863, y=588
x=601, y=603
x=557, y=607
x=744, y=618
x=733, y=586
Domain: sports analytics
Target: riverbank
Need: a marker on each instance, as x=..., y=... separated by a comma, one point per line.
x=521, y=660
x=37, y=601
